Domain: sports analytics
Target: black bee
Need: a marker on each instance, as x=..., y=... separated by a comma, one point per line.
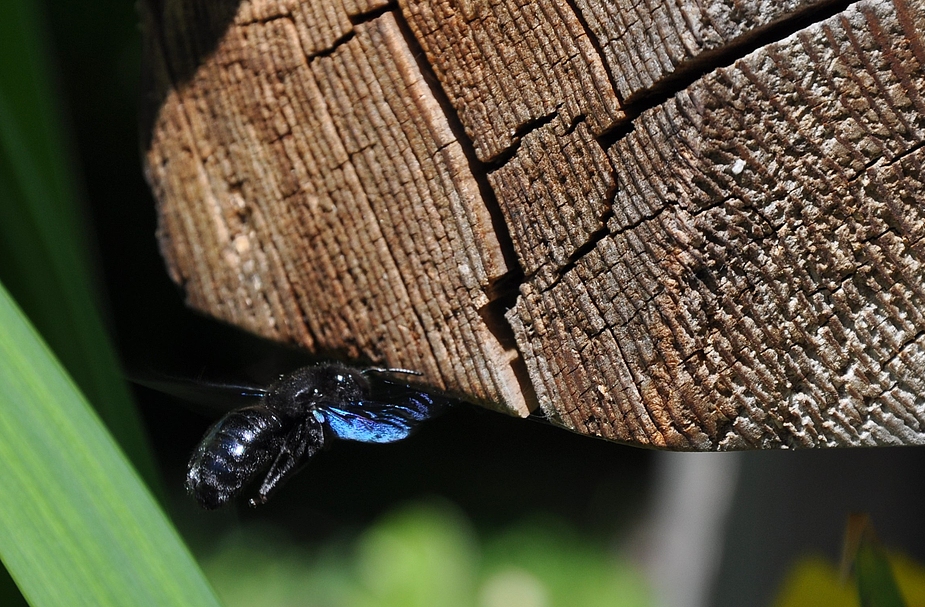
x=294, y=419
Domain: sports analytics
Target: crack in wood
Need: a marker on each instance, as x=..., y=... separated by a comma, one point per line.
x=517, y=138
x=691, y=70
x=502, y=290
x=595, y=43
x=510, y=282
x=672, y=275
x=371, y=15
x=687, y=74
x=327, y=52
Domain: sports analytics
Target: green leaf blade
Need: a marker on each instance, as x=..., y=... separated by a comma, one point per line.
x=77, y=525
x=45, y=256
x=876, y=583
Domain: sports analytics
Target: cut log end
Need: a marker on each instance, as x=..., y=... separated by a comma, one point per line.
x=698, y=229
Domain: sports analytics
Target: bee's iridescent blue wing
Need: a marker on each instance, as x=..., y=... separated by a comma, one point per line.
x=369, y=421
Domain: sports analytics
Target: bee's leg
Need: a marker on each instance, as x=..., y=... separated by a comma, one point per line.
x=296, y=449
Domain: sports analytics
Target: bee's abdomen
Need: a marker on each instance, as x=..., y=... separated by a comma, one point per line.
x=234, y=450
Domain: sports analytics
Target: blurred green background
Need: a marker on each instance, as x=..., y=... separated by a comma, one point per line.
x=477, y=509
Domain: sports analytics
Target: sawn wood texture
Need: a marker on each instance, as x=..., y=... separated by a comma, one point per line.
x=686, y=225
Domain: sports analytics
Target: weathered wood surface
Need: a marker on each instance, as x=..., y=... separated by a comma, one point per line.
x=682, y=225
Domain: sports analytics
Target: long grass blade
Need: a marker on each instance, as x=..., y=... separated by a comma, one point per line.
x=44, y=255
x=77, y=525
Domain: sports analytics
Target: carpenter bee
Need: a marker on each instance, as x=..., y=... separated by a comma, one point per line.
x=295, y=418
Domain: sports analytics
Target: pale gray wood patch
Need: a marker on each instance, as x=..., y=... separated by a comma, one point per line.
x=762, y=281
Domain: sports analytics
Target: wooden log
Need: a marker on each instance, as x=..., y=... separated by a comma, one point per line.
x=696, y=226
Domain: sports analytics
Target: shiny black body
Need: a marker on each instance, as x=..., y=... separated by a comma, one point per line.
x=296, y=417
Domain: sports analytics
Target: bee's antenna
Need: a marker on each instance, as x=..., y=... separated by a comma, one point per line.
x=390, y=370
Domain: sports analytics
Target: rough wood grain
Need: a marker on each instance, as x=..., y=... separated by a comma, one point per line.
x=338, y=213
x=760, y=283
x=506, y=65
x=542, y=202
x=646, y=46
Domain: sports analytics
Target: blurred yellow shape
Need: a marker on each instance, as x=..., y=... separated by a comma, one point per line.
x=813, y=581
